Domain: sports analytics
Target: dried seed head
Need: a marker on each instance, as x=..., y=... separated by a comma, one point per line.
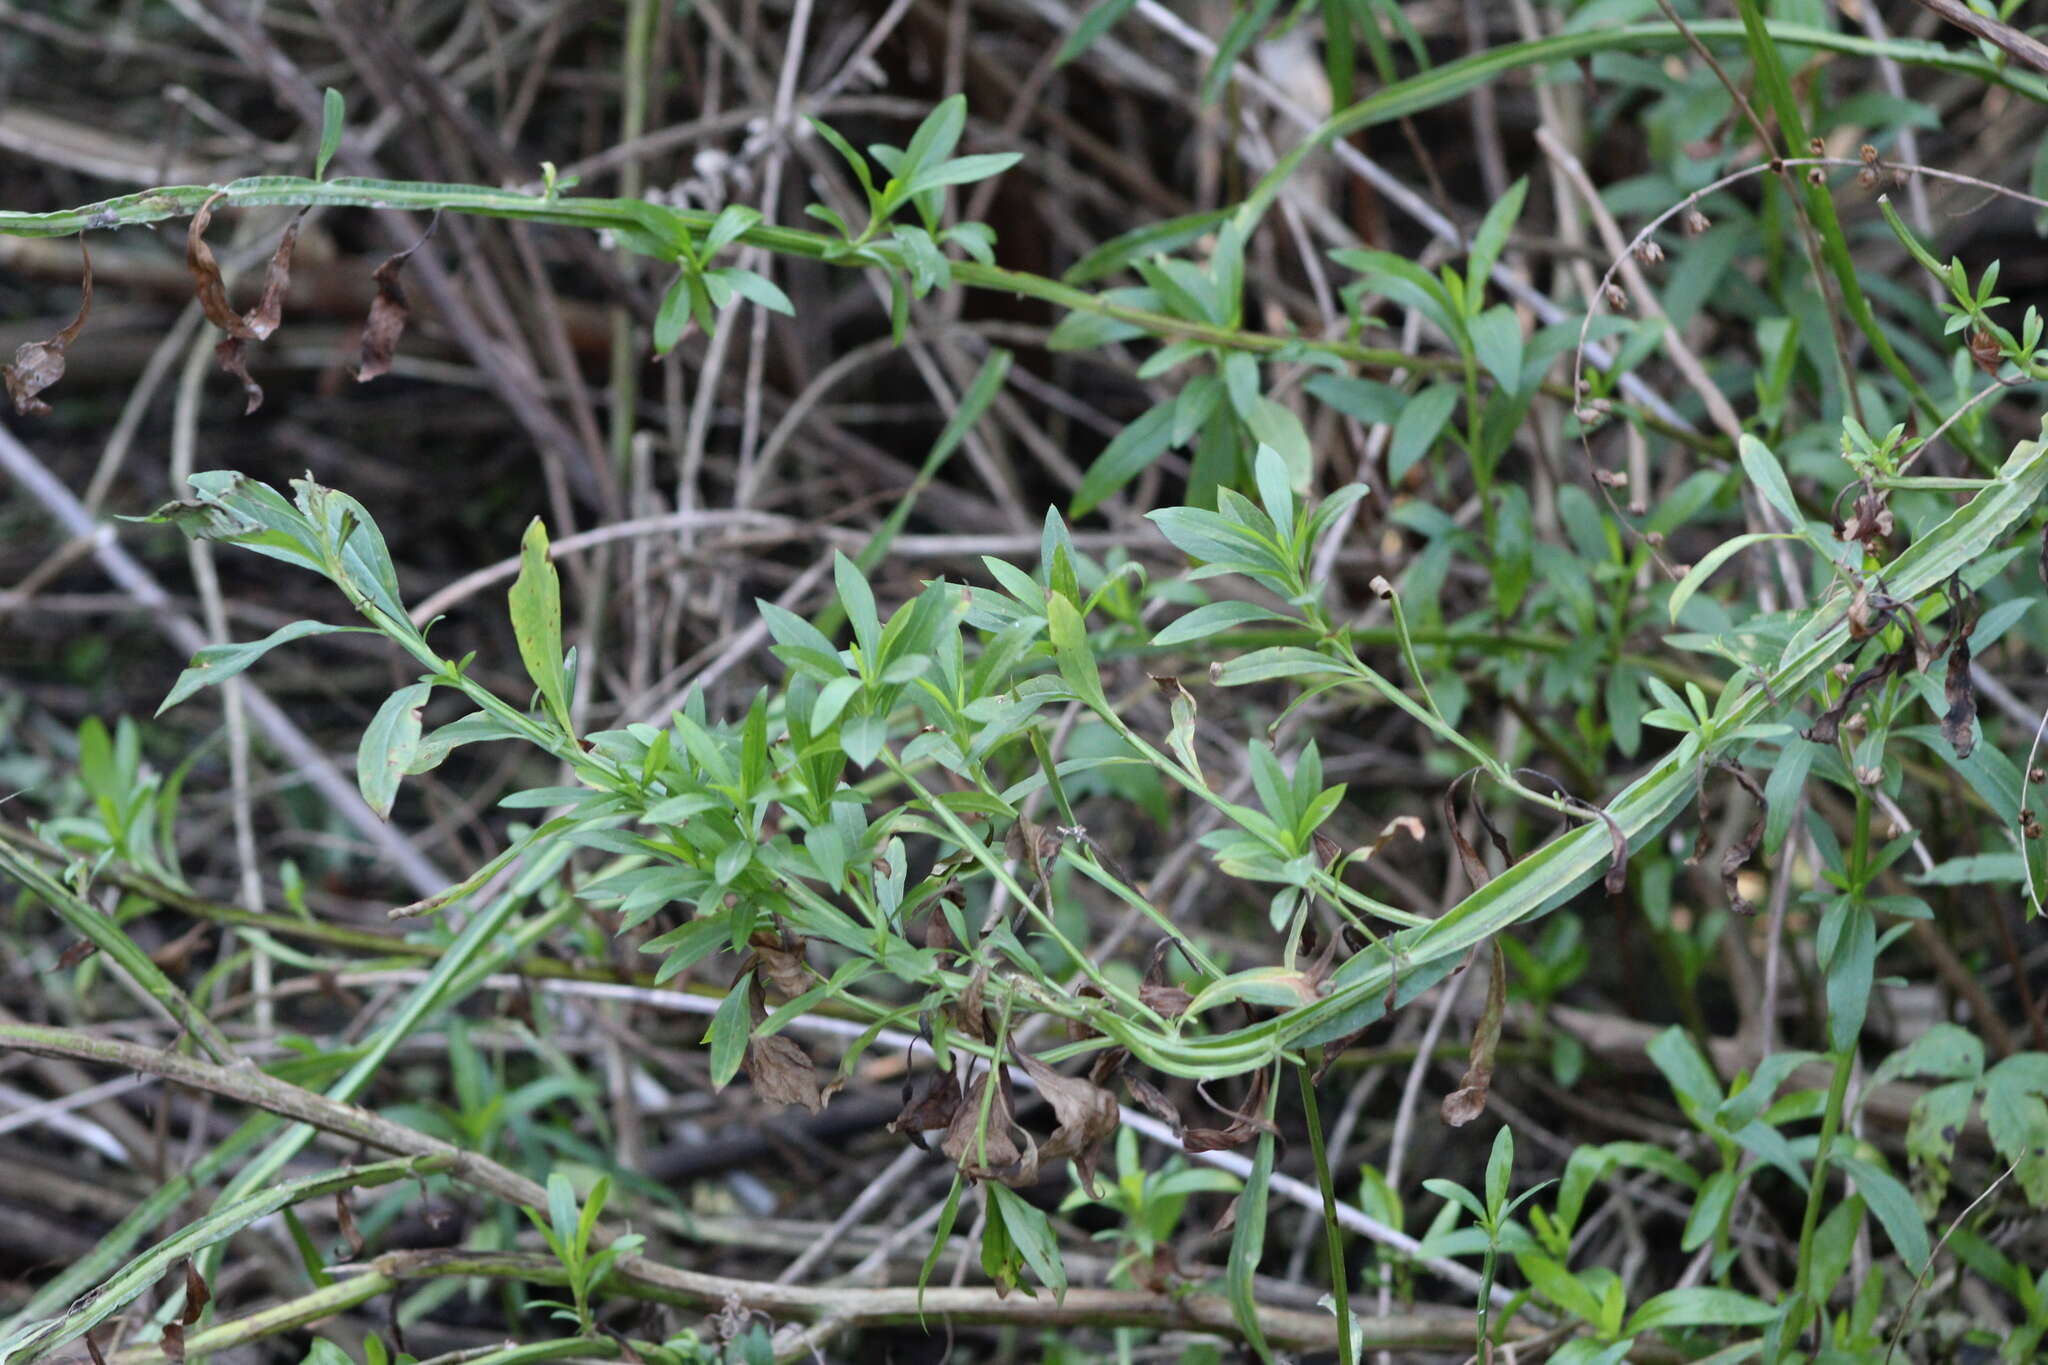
x=1617, y=299
x=1593, y=413
x=1649, y=253
x=1868, y=153
x=1816, y=176
x=1866, y=179
x=1381, y=588
x=1694, y=222
x=1656, y=539
x=2037, y=775
x=1612, y=478
x=1816, y=146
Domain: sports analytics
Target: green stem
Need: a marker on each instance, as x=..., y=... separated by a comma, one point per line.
x=1333, y=1236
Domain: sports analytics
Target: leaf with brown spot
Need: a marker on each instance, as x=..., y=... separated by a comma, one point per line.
x=1468, y=1101
x=1087, y=1114
x=39, y=364
x=389, y=311
x=782, y=1072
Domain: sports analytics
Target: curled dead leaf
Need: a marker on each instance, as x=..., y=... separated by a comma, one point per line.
x=39, y=364
x=782, y=1072
x=1468, y=1101
x=241, y=328
x=389, y=311
x=1086, y=1113
x=1245, y=1124
x=778, y=958
x=977, y=1155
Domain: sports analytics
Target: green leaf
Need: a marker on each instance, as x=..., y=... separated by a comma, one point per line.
x=940, y=1234
x=1768, y=477
x=331, y=109
x=755, y=288
x=1892, y=1205
x=858, y=599
x=964, y=170
x=1497, y=342
x=727, y=1035
x=1500, y=1168
x=1489, y=242
x=389, y=746
x=1700, y=1307
x=1214, y=618
x=1124, y=458
x=1092, y=26
x=536, y=606
x=214, y=664
x=1418, y=426
x=1248, y=1246
x=1070, y=651
x=1697, y=576
x=1031, y=1232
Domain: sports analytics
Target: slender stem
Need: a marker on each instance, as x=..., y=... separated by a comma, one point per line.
x=1340, y=1279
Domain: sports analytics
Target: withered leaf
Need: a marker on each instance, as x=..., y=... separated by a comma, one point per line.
x=1468, y=1101
x=389, y=311
x=1087, y=1114
x=931, y=1099
x=972, y=1154
x=1960, y=694
x=780, y=963
x=196, y=1295
x=1153, y=1101
x=1168, y=1002
x=1870, y=520
x=172, y=1342
x=345, y=1222
x=1245, y=1124
x=241, y=328
x=39, y=364
x=1828, y=727
x=966, y=1012
x=76, y=953
x=782, y=1072
x=92, y=1348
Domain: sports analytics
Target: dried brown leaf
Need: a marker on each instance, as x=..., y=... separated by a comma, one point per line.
x=345, y=1222
x=1245, y=1124
x=974, y=1156
x=1087, y=1114
x=76, y=953
x=1960, y=694
x=931, y=1099
x=196, y=1295
x=1468, y=1101
x=172, y=1342
x=782, y=1072
x=92, y=1348
x=241, y=328
x=1153, y=1101
x=39, y=364
x=1168, y=1002
x=780, y=963
x=389, y=311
